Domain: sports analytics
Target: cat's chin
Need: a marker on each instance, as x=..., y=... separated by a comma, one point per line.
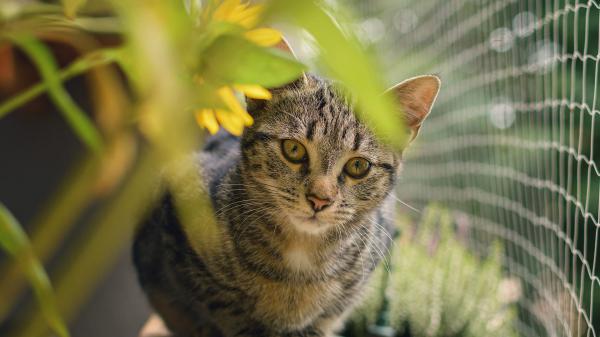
x=308, y=225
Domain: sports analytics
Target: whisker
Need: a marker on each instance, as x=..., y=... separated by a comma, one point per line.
x=367, y=247
x=378, y=251
x=412, y=208
x=228, y=206
x=383, y=229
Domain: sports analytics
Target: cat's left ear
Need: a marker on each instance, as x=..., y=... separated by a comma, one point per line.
x=416, y=97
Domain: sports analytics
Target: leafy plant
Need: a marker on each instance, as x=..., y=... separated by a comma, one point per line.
x=437, y=287
x=183, y=63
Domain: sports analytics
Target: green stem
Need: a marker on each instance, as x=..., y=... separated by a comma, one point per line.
x=78, y=120
x=14, y=240
x=78, y=67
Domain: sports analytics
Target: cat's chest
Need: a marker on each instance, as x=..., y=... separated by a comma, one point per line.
x=300, y=258
x=296, y=305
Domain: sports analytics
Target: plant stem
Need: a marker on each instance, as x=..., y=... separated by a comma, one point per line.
x=14, y=240
x=78, y=67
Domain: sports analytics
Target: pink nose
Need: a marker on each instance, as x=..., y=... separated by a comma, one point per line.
x=317, y=203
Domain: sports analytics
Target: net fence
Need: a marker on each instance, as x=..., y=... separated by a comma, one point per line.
x=509, y=147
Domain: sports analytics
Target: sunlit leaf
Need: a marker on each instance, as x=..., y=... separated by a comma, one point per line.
x=346, y=61
x=264, y=36
x=16, y=243
x=232, y=59
x=77, y=119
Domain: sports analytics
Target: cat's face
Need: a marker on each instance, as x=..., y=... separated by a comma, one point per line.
x=312, y=161
x=318, y=163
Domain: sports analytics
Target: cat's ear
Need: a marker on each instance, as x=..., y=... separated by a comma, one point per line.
x=416, y=97
x=285, y=46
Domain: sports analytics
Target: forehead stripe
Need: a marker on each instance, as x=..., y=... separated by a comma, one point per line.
x=386, y=167
x=357, y=140
x=320, y=97
x=256, y=137
x=344, y=133
x=310, y=131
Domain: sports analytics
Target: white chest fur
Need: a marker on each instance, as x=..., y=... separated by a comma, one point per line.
x=298, y=258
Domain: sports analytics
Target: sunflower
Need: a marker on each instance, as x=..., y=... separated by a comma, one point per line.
x=234, y=118
x=247, y=16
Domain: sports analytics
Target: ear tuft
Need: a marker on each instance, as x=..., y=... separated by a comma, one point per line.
x=284, y=46
x=416, y=97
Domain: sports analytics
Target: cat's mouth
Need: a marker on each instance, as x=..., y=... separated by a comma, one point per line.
x=312, y=224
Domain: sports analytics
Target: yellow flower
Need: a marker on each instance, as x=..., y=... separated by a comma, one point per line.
x=247, y=16
x=253, y=91
x=235, y=117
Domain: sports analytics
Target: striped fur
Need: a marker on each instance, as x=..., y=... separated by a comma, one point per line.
x=277, y=272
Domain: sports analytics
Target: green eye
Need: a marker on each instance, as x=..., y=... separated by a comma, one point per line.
x=357, y=167
x=293, y=151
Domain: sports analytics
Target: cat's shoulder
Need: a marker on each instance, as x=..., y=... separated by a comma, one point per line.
x=219, y=156
x=220, y=152
x=221, y=144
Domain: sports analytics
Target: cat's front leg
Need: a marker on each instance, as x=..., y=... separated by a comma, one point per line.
x=310, y=332
x=252, y=328
x=254, y=332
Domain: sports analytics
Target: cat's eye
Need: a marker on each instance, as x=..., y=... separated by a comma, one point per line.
x=293, y=151
x=357, y=167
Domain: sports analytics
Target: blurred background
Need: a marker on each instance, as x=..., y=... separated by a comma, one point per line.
x=500, y=194
x=509, y=147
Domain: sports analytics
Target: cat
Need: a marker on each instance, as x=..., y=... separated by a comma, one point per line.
x=304, y=200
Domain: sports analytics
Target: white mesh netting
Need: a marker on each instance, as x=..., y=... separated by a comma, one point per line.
x=509, y=146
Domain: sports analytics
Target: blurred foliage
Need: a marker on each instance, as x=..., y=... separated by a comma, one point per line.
x=168, y=61
x=437, y=287
x=16, y=243
x=48, y=69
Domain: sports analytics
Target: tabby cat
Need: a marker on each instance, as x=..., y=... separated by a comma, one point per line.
x=304, y=201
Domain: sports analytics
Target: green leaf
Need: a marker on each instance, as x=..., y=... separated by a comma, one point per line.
x=348, y=62
x=232, y=59
x=16, y=243
x=77, y=119
x=72, y=6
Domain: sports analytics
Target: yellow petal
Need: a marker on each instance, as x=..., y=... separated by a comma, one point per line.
x=264, y=36
x=247, y=119
x=230, y=100
x=248, y=17
x=236, y=13
x=230, y=122
x=253, y=91
x=206, y=118
x=225, y=9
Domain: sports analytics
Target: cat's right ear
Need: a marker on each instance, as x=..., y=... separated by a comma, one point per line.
x=255, y=105
x=416, y=97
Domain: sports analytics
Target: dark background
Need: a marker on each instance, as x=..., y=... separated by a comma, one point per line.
x=38, y=150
